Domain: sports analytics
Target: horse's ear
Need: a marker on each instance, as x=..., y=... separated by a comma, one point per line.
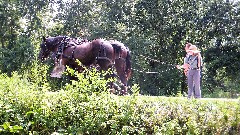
x=43, y=38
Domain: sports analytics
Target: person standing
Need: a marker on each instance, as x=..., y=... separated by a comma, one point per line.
x=194, y=62
x=185, y=66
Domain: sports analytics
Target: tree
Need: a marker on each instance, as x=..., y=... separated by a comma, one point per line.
x=156, y=32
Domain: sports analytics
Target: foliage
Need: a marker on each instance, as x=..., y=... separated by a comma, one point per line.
x=19, y=18
x=88, y=108
x=154, y=30
x=168, y=25
x=22, y=54
x=223, y=67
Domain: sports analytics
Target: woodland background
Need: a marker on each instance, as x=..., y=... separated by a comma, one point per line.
x=155, y=31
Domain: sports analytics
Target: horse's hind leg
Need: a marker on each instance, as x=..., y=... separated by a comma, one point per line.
x=124, y=88
x=120, y=66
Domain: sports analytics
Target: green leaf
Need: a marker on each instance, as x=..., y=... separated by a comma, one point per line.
x=16, y=128
x=6, y=125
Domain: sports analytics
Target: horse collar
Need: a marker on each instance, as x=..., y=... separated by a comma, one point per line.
x=63, y=44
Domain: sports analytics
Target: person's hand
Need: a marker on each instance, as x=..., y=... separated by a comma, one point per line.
x=178, y=67
x=185, y=66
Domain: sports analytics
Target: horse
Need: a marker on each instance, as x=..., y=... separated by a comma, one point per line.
x=103, y=53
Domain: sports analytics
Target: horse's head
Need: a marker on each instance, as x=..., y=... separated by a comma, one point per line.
x=44, y=49
x=48, y=45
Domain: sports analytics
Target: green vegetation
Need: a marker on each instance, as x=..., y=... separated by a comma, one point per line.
x=86, y=107
x=155, y=31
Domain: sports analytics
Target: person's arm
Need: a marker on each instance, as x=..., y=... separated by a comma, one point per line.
x=199, y=60
x=185, y=66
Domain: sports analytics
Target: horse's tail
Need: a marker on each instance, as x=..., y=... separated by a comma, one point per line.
x=128, y=69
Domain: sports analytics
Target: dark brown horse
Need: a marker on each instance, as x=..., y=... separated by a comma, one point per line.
x=103, y=53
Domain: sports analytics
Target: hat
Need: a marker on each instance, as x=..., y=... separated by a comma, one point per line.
x=187, y=45
x=194, y=49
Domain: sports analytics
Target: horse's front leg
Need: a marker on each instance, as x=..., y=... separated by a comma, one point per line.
x=58, y=68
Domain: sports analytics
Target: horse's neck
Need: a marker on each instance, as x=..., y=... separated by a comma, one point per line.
x=55, y=43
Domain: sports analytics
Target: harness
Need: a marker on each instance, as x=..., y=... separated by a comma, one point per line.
x=61, y=47
x=64, y=44
x=117, y=50
x=104, y=57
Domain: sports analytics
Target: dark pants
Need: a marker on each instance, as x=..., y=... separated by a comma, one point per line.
x=194, y=83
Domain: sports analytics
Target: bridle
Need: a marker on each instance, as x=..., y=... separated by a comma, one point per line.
x=45, y=49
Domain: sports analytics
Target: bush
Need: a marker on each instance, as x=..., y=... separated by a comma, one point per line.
x=21, y=55
x=86, y=107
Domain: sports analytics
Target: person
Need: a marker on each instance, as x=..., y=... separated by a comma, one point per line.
x=185, y=66
x=194, y=62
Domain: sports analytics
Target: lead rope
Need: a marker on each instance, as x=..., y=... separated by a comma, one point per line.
x=172, y=66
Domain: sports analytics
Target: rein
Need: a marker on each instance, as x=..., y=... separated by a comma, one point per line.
x=158, y=61
x=173, y=66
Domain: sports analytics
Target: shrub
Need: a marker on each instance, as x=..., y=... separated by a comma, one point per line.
x=86, y=107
